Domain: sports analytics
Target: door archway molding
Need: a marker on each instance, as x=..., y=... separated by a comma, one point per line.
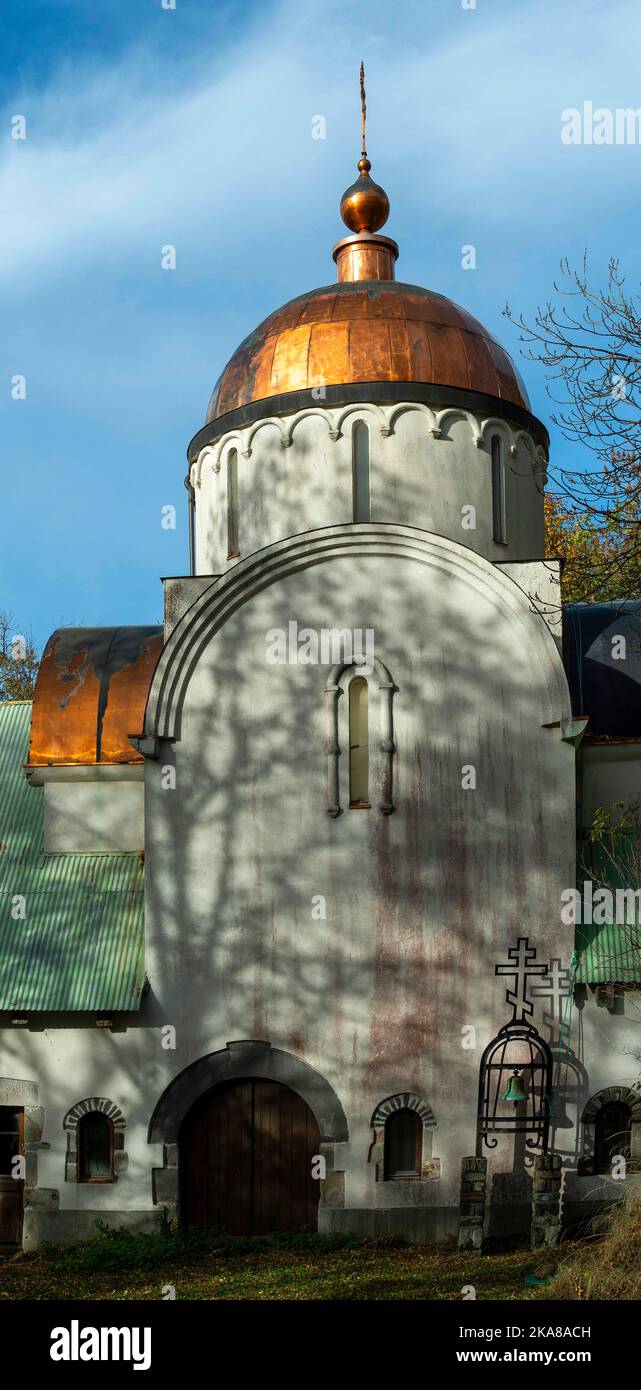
x=238, y=1061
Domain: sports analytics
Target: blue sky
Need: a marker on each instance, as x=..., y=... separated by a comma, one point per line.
x=192, y=126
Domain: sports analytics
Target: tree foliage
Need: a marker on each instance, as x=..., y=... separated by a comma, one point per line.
x=590, y=343
x=19, y=661
x=602, y=558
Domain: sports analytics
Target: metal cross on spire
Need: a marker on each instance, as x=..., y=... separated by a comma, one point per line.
x=363, y=110
x=522, y=967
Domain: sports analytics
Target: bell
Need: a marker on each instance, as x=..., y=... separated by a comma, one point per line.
x=516, y=1090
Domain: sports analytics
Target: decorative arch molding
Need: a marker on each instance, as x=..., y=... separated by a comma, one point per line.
x=512, y=438
x=360, y=410
x=70, y=1124
x=404, y=1100
x=241, y=1061
x=437, y=422
x=257, y=572
x=290, y=424
x=386, y=745
x=84, y=1107
x=623, y=1095
x=395, y=412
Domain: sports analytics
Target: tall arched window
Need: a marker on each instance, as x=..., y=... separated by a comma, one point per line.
x=499, y=514
x=95, y=1148
x=612, y=1135
x=358, y=743
x=360, y=471
x=232, y=504
x=403, y=1145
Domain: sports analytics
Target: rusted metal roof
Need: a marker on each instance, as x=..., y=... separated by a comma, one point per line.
x=80, y=944
x=91, y=693
x=366, y=331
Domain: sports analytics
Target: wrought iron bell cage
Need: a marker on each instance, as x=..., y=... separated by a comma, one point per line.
x=503, y=1057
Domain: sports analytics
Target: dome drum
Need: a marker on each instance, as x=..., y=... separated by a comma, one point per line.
x=427, y=468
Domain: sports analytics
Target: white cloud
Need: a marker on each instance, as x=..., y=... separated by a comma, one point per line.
x=216, y=149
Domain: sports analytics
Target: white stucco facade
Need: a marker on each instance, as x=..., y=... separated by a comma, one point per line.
x=347, y=951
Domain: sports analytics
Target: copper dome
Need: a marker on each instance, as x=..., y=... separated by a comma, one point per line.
x=366, y=331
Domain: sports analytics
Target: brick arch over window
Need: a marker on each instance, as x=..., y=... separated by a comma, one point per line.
x=71, y=1122
x=621, y=1095
x=405, y=1100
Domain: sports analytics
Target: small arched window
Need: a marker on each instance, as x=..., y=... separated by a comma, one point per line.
x=360, y=471
x=499, y=513
x=612, y=1135
x=403, y=1145
x=358, y=743
x=232, y=504
x=95, y=1148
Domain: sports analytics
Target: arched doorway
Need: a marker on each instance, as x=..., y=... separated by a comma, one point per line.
x=246, y=1151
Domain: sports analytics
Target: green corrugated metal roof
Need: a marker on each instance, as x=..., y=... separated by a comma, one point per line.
x=81, y=945
x=608, y=955
x=611, y=953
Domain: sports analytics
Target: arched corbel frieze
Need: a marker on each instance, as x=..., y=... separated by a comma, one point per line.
x=385, y=417
x=360, y=410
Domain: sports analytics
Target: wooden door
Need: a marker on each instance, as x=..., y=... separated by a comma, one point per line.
x=246, y=1154
x=11, y=1188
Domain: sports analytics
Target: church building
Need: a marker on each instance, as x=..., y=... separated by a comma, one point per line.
x=284, y=938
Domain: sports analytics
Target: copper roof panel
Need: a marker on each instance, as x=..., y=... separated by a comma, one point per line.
x=329, y=352
x=369, y=351
x=480, y=364
x=504, y=369
x=386, y=306
x=421, y=352
x=445, y=345
x=260, y=369
x=400, y=355
x=91, y=693
x=289, y=367
x=318, y=310
x=351, y=306
x=449, y=362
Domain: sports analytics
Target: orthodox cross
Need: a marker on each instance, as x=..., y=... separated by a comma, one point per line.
x=556, y=988
x=521, y=966
x=363, y=108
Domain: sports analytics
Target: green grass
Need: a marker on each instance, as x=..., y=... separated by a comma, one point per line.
x=298, y=1267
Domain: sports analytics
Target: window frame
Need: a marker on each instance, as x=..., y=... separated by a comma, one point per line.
x=91, y=1115
x=499, y=491
x=602, y=1169
x=358, y=803
x=360, y=433
x=403, y=1174
x=231, y=473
